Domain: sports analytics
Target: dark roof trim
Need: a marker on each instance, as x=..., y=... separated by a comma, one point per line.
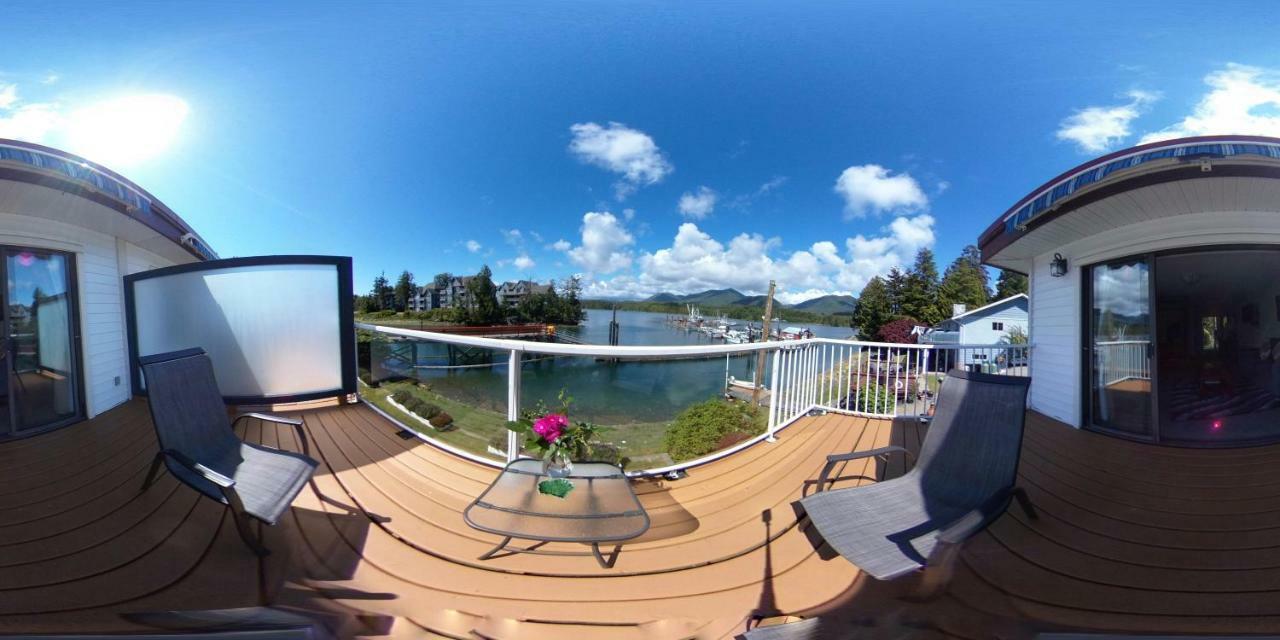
x=37, y=164
x=1058, y=195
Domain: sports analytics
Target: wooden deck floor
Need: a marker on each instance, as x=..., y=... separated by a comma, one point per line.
x=1132, y=537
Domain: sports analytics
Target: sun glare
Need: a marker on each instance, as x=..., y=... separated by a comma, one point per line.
x=125, y=131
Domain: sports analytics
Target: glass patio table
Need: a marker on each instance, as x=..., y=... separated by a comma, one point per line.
x=601, y=508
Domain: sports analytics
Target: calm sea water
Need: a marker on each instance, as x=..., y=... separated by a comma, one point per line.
x=603, y=392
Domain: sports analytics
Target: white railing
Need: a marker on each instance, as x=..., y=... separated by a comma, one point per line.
x=872, y=379
x=1118, y=360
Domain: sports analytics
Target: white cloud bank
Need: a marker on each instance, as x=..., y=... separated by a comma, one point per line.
x=1241, y=100
x=696, y=261
x=871, y=188
x=1097, y=129
x=697, y=206
x=605, y=244
x=618, y=148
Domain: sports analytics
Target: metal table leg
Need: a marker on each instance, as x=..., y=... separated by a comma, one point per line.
x=501, y=545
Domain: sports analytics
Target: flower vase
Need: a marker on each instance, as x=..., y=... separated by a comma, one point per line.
x=557, y=465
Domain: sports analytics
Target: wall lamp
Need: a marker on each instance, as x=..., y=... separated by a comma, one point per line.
x=1058, y=267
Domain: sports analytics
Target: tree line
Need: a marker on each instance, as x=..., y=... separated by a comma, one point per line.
x=890, y=305
x=480, y=305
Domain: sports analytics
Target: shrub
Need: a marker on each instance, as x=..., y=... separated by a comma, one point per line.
x=607, y=452
x=402, y=396
x=730, y=439
x=441, y=419
x=698, y=430
x=898, y=331
x=871, y=398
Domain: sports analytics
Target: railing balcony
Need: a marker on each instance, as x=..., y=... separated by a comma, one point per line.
x=634, y=393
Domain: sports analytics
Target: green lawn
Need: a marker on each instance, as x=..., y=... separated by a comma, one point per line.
x=473, y=427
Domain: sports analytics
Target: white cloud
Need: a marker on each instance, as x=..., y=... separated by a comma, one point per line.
x=605, y=244
x=696, y=261
x=8, y=95
x=473, y=246
x=618, y=148
x=523, y=262
x=512, y=236
x=697, y=205
x=1241, y=100
x=873, y=188
x=628, y=214
x=50, y=78
x=561, y=245
x=1096, y=129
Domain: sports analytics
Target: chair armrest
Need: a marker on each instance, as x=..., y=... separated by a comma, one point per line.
x=976, y=520
x=856, y=455
x=204, y=472
x=296, y=423
x=269, y=418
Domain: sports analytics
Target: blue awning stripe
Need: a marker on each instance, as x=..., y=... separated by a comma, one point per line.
x=79, y=172
x=1064, y=188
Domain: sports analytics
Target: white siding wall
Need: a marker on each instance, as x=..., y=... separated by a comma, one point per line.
x=1055, y=331
x=977, y=329
x=100, y=283
x=1055, y=302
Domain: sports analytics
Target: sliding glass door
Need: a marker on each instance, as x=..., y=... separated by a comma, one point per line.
x=1120, y=348
x=42, y=386
x=1183, y=347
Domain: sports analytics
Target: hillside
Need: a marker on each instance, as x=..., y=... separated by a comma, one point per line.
x=829, y=305
x=824, y=305
x=713, y=297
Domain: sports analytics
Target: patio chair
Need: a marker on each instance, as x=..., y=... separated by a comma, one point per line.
x=199, y=447
x=963, y=479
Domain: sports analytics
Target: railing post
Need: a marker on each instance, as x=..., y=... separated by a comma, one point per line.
x=773, y=396
x=513, y=403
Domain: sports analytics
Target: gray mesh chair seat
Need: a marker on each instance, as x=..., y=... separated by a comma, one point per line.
x=963, y=479
x=199, y=447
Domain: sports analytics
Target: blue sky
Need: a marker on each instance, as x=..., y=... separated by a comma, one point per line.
x=648, y=147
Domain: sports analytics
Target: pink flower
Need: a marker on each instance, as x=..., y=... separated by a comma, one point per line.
x=551, y=426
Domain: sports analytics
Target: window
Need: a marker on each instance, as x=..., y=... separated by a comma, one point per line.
x=997, y=326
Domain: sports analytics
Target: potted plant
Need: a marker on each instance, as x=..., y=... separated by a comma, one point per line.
x=558, y=440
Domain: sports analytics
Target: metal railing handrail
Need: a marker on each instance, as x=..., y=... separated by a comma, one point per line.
x=632, y=351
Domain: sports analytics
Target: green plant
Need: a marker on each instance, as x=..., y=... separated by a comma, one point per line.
x=552, y=433
x=699, y=429
x=872, y=398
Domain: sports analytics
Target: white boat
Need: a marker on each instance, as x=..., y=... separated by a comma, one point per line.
x=734, y=336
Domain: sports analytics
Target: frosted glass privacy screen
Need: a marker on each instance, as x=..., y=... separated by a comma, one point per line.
x=273, y=331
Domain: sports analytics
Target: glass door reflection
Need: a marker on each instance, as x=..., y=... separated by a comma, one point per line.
x=1120, y=349
x=40, y=343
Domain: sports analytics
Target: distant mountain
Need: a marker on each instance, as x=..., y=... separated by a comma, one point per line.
x=827, y=305
x=711, y=298
x=830, y=305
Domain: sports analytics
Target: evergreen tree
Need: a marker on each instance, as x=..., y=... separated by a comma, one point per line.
x=380, y=290
x=572, y=300
x=404, y=290
x=895, y=285
x=964, y=283
x=873, y=309
x=442, y=280
x=483, y=299
x=973, y=256
x=920, y=290
x=1010, y=283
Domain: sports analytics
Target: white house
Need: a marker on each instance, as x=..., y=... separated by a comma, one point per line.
x=69, y=231
x=986, y=325
x=1154, y=301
